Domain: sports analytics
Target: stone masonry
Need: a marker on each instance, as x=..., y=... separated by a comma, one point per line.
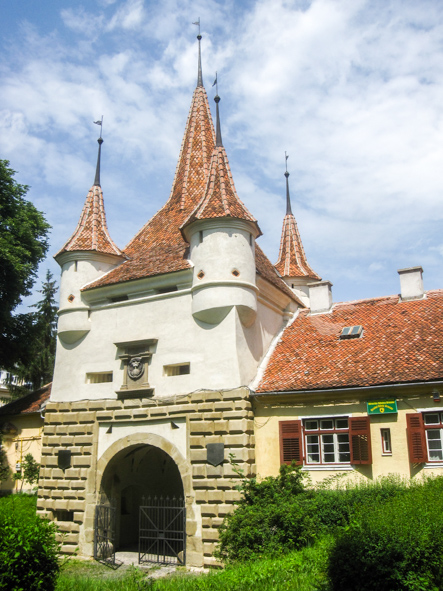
x=212, y=417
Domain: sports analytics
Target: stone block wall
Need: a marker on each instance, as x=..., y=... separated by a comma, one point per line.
x=212, y=417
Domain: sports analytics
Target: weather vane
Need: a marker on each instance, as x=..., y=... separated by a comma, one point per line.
x=101, y=125
x=216, y=84
x=198, y=25
x=286, y=161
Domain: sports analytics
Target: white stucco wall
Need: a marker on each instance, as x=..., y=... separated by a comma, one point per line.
x=221, y=356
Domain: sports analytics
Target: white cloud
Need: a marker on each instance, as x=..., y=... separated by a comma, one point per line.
x=351, y=89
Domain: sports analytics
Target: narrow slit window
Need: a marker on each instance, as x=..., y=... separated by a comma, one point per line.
x=100, y=377
x=179, y=369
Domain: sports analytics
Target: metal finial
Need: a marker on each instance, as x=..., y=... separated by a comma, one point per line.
x=100, y=141
x=288, y=199
x=199, y=37
x=218, y=137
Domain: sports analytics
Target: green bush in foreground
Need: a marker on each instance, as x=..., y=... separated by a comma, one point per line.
x=395, y=546
x=28, y=550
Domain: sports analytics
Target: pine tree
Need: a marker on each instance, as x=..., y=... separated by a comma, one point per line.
x=42, y=342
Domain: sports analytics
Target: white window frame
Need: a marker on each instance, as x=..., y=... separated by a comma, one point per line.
x=322, y=432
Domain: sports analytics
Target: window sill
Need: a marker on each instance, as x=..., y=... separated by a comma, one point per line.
x=433, y=465
x=333, y=467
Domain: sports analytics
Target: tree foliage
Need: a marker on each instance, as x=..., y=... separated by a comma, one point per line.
x=23, y=244
x=38, y=369
x=29, y=471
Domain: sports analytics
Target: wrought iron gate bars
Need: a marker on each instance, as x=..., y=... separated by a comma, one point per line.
x=104, y=533
x=162, y=531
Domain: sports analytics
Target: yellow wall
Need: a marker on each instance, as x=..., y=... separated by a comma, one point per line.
x=270, y=410
x=26, y=440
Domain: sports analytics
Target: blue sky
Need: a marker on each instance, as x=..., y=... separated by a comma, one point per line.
x=351, y=89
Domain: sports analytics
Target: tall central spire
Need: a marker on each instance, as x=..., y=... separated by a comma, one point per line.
x=199, y=37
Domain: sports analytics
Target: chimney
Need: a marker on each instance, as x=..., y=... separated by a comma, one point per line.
x=411, y=283
x=320, y=296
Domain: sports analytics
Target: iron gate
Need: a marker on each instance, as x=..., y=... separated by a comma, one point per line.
x=104, y=533
x=162, y=531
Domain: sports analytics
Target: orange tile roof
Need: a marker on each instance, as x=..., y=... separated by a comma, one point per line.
x=92, y=233
x=401, y=342
x=220, y=199
x=266, y=270
x=292, y=260
x=159, y=246
x=30, y=403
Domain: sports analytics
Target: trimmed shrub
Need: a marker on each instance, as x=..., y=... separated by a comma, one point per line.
x=28, y=549
x=396, y=546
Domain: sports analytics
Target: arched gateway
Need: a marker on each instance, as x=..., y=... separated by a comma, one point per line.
x=143, y=500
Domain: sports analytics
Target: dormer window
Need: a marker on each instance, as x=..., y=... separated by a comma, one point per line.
x=351, y=332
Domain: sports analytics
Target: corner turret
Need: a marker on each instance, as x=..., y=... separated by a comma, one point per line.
x=221, y=233
x=292, y=263
x=86, y=256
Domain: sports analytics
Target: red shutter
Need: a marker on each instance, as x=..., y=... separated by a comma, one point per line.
x=360, y=440
x=416, y=438
x=290, y=442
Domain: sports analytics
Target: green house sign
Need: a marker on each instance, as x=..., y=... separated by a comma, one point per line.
x=382, y=407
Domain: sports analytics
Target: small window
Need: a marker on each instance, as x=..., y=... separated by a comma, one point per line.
x=386, y=446
x=180, y=369
x=63, y=515
x=351, y=332
x=200, y=237
x=168, y=289
x=99, y=377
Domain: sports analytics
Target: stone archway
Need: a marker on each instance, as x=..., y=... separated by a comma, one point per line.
x=133, y=467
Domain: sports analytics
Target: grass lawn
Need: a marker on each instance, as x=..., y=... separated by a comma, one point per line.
x=299, y=571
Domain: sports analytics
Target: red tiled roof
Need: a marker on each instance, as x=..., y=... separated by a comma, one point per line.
x=92, y=233
x=401, y=342
x=292, y=260
x=220, y=199
x=266, y=270
x=159, y=246
x=30, y=403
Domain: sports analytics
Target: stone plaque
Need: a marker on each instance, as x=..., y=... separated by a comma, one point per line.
x=135, y=368
x=215, y=453
x=64, y=458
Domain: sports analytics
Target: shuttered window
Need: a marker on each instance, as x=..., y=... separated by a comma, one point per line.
x=290, y=442
x=360, y=439
x=416, y=438
x=326, y=441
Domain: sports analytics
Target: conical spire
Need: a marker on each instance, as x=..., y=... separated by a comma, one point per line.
x=92, y=233
x=292, y=258
x=220, y=198
x=159, y=246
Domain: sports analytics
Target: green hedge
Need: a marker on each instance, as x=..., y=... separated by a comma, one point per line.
x=28, y=549
x=397, y=545
x=278, y=515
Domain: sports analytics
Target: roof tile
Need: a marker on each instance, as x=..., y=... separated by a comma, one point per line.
x=401, y=342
